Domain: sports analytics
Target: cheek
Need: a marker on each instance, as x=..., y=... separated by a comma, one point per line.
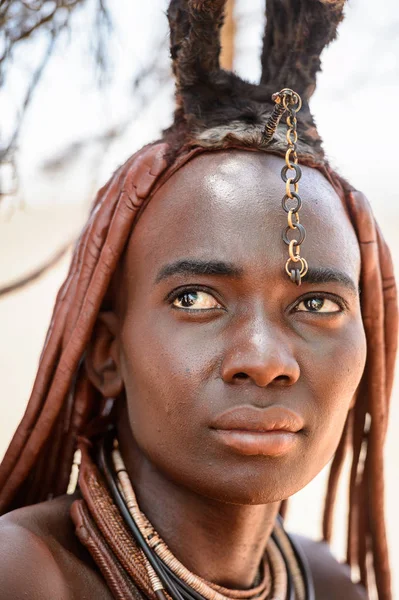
x=333, y=371
x=163, y=374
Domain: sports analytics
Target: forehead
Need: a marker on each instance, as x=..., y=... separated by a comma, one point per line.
x=227, y=206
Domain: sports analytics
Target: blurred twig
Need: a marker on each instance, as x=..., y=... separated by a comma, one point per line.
x=228, y=37
x=157, y=72
x=154, y=74
x=7, y=153
x=36, y=273
x=22, y=20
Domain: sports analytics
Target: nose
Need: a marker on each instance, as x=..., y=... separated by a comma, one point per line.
x=262, y=354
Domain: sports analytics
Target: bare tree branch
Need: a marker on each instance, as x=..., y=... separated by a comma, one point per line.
x=21, y=20
x=6, y=154
x=228, y=37
x=24, y=19
x=37, y=273
x=156, y=73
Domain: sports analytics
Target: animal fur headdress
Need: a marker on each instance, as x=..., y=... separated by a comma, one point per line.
x=215, y=109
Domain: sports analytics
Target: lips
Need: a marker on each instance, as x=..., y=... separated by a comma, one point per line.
x=252, y=431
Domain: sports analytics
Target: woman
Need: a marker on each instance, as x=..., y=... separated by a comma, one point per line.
x=205, y=359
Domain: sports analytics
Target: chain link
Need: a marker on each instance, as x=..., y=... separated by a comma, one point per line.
x=296, y=266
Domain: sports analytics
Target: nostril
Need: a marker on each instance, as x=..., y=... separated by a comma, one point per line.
x=240, y=376
x=282, y=379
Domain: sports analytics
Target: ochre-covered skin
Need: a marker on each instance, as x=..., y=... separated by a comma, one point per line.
x=224, y=208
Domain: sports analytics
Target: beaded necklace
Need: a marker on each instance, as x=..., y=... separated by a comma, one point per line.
x=283, y=574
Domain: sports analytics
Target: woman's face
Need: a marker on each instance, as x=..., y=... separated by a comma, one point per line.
x=238, y=382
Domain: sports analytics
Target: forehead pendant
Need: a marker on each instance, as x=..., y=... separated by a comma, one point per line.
x=289, y=102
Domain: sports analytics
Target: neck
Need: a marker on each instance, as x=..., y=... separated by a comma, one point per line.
x=222, y=543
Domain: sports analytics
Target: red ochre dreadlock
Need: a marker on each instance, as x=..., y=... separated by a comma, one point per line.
x=215, y=110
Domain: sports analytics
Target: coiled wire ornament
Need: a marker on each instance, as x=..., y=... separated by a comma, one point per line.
x=296, y=266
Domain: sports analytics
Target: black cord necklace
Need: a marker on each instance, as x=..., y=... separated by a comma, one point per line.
x=171, y=582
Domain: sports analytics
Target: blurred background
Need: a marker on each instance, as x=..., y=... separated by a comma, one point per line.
x=84, y=84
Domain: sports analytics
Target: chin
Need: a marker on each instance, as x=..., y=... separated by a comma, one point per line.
x=244, y=493
x=247, y=485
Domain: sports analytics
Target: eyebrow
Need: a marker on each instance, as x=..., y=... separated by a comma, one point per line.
x=199, y=267
x=211, y=267
x=328, y=275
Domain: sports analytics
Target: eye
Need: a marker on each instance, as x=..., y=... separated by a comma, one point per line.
x=318, y=304
x=195, y=300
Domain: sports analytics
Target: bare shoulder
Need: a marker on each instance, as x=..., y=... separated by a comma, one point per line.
x=331, y=578
x=40, y=557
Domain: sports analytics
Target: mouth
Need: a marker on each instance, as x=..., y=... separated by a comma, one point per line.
x=270, y=431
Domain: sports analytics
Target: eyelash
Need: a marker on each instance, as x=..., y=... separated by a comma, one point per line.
x=325, y=296
x=171, y=297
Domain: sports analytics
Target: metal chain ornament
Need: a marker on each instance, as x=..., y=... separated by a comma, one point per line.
x=288, y=101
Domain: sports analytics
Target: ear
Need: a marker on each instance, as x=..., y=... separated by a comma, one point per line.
x=102, y=356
